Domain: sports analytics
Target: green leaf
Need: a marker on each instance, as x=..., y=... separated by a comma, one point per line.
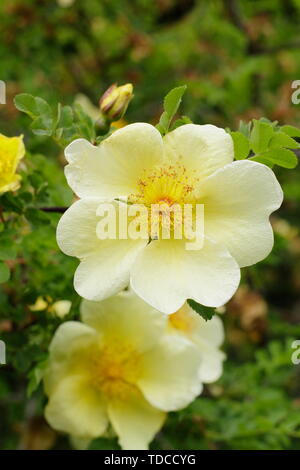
x=42, y=125
x=273, y=123
x=65, y=116
x=36, y=179
x=26, y=103
x=245, y=128
x=85, y=123
x=35, y=376
x=261, y=135
x=206, y=312
x=173, y=99
x=26, y=197
x=67, y=126
x=280, y=139
x=42, y=107
x=181, y=122
x=65, y=130
x=32, y=105
x=4, y=272
x=12, y=203
x=163, y=124
x=264, y=161
x=241, y=145
x=39, y=110
x=292, y=131
x=282, y=157
x=171, y=104
x=36, y=216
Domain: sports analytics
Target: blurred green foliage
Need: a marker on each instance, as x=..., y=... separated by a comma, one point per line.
x=238, y=59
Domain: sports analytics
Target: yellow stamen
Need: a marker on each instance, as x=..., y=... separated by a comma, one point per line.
x=114, y=370
x=169, y=187
x=167, y=184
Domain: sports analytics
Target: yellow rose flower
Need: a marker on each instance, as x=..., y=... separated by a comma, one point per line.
x=191, y=165
x=12, y=150
x=120, y=366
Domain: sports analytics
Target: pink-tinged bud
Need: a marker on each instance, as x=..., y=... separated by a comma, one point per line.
x=115, y=100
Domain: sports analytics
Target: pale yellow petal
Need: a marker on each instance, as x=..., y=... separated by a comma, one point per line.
x=114, y=168
x=108, y=271
x=206, y=335
x=76, y=229
x=165, y=274
x=76, y=408
x=210, y=330
x=170, y=373
x=67, y=348
x=83, y=172
x=105, y=264
x=127, y=317
x=238, y=200
x=203, y=148
x=135, y=421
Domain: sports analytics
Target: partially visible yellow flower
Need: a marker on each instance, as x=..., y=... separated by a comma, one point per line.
x=121, y=366
x=114, y=102
x=206, y=335
x=60, y=308
x=12, y=150
x=39, y=305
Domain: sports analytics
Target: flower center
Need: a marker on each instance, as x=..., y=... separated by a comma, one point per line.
x=164, y=191
x=168, y=184
x=114, y=370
